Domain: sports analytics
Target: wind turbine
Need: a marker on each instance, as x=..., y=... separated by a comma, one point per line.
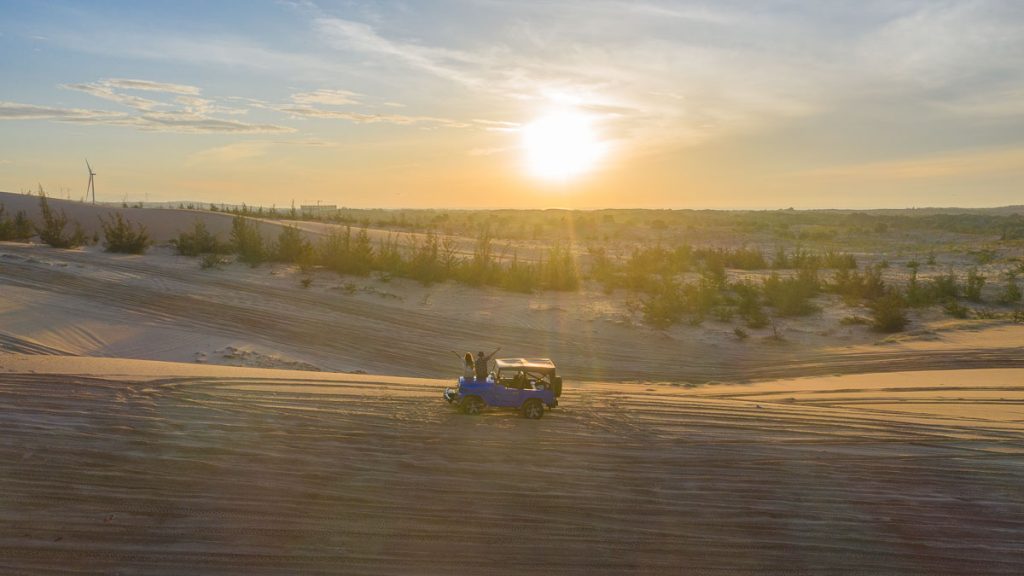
x=91, y=187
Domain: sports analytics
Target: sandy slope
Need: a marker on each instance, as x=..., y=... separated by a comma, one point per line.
x=164, y=224
x=160, y=306
x=118, y=466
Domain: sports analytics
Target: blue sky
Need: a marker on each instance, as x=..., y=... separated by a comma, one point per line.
x=700, y=104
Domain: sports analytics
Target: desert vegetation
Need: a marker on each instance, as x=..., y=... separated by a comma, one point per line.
x=748, y=269
x=740, y=268
x=198, y=241
x=121, y=235
x=52, y=231
x=18, y=228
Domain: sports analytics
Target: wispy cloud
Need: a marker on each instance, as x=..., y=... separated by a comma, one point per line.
x=195, y=124
x=184, y=111
x=348, y=34
x=108, y=92
x=370, y=118
x=150, y=86
x=664, y=73
x=18, y=111
x=325, y=96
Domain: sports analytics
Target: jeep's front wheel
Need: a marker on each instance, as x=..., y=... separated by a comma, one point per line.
x=533, y=409
x=472, y=405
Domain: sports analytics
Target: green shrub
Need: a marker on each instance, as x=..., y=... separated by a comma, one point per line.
x=520, y=276
x=20, y=228
x=944, y=287
x=839, y=260
x=247, y=242
x=120, y=235
x=973, y=285
x=339, y=252
x=52, y=230
x=425, y=262
x=664, y=306
x=917, y=295
x=559, y=271
x=888, y=313
x=198, y=241
x=291, y=246
x=748, y=304
x=956, y=310
x=210, y=260
x=792, y=296
x=1011, y=293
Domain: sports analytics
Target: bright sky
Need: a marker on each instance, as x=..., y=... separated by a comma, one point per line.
x=492, y=103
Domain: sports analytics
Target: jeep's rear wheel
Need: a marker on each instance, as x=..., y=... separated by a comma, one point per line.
x=472, y=405
x=533, y=409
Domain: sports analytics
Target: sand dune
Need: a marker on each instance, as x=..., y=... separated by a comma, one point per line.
x=161, y=306
x=149, y=467
x=165, y=224
x=141, y=432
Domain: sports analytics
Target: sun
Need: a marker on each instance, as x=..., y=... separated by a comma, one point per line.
x=561, y=145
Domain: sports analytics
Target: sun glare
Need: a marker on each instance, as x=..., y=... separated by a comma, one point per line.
x=561, y=146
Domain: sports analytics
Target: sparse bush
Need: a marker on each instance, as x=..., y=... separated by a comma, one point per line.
x=291, y=246
x=520, y=276
x=20, y=228
x=120, y=235
x=664, y=306
x=972, y=287
x=1011, y=293
x=956, y=310
x=602, y=268
x=944, y=287
x=839, y=260
x=748, y=305
x=198, y=241
x=425, y=263
x=791, y=296
x=480, y=270
x=210, y=260
x=917, y=296
x=247, y=242
x=559, y=271
x=984, y=256
x=52, y=230
x=740, y=333
x=888, y=313
x=781, y=259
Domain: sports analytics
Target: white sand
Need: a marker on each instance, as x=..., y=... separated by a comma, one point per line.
x=159, y=468
x=142, y=432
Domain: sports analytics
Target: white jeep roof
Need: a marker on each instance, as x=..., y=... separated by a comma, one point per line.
x=534, y=364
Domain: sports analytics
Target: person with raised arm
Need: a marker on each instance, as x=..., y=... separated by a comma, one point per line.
x=482, y=363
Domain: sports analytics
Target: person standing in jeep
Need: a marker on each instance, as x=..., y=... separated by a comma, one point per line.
x=482, y=362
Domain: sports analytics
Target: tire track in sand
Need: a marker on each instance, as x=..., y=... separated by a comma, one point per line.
x=269, y=476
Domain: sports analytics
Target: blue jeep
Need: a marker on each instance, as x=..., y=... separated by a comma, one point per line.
x=527, y=385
